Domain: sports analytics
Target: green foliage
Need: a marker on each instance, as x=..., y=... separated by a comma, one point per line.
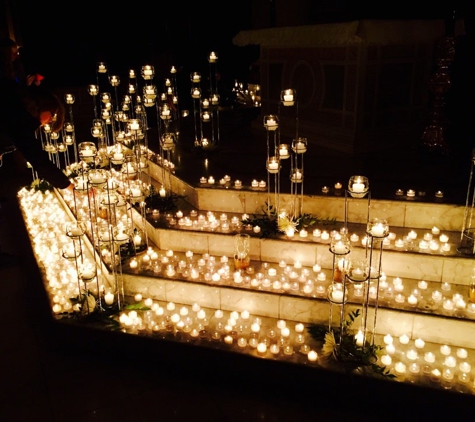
x=41, y=185
x=268, y=221
x=349, y=355
x=163, y=204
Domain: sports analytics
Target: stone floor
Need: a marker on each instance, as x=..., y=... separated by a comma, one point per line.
x=57, y=375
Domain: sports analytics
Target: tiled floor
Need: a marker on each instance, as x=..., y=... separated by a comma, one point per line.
x=59, y=375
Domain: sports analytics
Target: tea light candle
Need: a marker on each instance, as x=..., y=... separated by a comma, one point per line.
x=400, y=368
x=444, y=238
x=450, y=362
x=109, y=298
x=388, y=339
x=412, y=235
x=414, y=368
x=261, y=348
x=445, y=349
x=325, y=235
x=312, y=356
x=429, y=357
x=386, y=360
x=411, y=193
x=404, y=339
x=462, y=353
x=354, y=237
x=133, y=263
x=436, y=296
x=399, y=243
x=412, y=300
x=390, y=349
x=412, y=354
x=419, y=343
x=422, y=285
x=435, y=230
x=337, y=295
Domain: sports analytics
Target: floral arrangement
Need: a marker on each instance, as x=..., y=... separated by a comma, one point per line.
x=348, y=353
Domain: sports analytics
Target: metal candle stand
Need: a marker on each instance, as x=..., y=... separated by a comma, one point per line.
x=359, y=270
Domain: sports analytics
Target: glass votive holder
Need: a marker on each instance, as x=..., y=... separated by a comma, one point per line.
x=147, y=71
x=71, y=251
x=93, y=89
x=69, y=99
x=76, y=229
x=87, y=272
x=337, y=294
x=377, y=228
x=215, y=99
x=167, y=141
x=165, y=112
x=288, y=97
x=195, y=77
x=114, y=80
x=273, y=165
x=296, y=175
x=271, y=122
x=299, y=145
x=195, y=93
x=213, y=57
x=283, y=150
x=358, y=270
x=358, y=186
x=87, y=151
x=340, y=246
x=101, y=67
x=97, y=177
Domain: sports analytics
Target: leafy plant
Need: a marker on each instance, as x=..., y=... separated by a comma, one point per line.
x=163, y=204
x=347, y=352
x=41, y=185
x=272, y=224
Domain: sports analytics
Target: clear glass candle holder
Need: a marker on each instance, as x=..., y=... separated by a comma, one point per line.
x=101, y=67
x=195, y=93
x=273, y=165
x=358, y=186
x=358, y=270
x=340, y=246
x=75, y=229
x=93, y=89
x=242, y=246
x=147, y=72
x=377, y=228
x=288, y=97
x=213, y=57
x=284, y=152
x=167, y=141
x=97, y=177
x=195, y=77
x=87, y=151
x=271, y=122
x=299, y=145
x=337, y=294
x=296, y=176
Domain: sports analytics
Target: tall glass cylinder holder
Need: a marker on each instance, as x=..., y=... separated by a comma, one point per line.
x=467, y=235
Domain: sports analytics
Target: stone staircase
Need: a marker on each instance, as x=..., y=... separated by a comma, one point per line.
x=424, y=293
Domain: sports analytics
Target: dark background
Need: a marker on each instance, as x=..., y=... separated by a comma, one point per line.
x=64, y=41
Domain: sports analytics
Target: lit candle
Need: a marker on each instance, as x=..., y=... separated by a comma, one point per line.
x=404, y=339
x=312, y=356
x=419, y=343
x=109, y=298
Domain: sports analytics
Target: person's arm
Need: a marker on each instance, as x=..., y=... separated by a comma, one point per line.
x=20, y=126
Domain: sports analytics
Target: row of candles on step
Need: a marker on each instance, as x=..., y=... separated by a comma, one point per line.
x=432, y=241
x=236, y=329
x=441, y=364
x=297, y=279
x=226, y=181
